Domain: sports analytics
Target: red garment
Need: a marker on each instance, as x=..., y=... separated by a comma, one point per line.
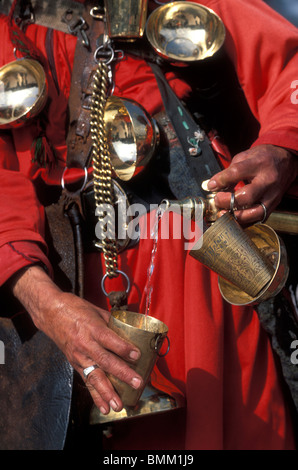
x=220, y=357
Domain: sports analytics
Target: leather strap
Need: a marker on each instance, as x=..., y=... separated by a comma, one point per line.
x=65, y=233
x=200, y=159
x=78, y=137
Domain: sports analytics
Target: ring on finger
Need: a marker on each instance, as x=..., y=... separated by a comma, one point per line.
x=232, y=205
x=87, y=371
x=265, y=212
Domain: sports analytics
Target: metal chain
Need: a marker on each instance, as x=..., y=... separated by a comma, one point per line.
x=102, y=168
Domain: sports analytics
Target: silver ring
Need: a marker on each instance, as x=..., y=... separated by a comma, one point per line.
x=88, y=370
x=232, y=205
x=265, y=212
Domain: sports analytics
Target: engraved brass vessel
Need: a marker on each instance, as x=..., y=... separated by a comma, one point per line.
x=185, y=32
x=132, y=136
x=126, y=19
x=23, y=92
x=272, y=248
x=229, y=251
x=148, y=334
x=251, y=263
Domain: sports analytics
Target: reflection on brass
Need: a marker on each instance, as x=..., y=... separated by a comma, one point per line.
x=228, y=250
x=126, y=19
x=273, y=249
x=191, y=208
x=132, y=136
x=151, y=401
x=148, y=334
x=185, y=32
x=284, y=222
x=23, y=92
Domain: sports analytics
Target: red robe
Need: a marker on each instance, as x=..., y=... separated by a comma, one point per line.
x=220, y=357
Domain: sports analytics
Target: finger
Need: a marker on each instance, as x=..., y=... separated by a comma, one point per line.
x=245, y=197
x=107, y=362
x=237, y=171
x=249, y=195
x=108, y=339
x=251, y=215
x=103, y=392
x=114, y=365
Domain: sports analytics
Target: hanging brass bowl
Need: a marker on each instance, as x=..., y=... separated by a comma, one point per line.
x=185, y=32
x=23, y=92
x=132, y=136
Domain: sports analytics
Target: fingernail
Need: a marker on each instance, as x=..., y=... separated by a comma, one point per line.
x=212, y=184
x=134, y=355
x=136, y=382
x=103, y=410
x=113, y=405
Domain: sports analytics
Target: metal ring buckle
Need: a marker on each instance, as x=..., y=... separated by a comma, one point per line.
x=80, y=189
x=97, y=13
x=118, y=272
x=156, y=345
x=107, y=48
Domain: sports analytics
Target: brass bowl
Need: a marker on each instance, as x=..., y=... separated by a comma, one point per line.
x=185, y=32
x=273, y=248
x=132, y=136
x=23, y=92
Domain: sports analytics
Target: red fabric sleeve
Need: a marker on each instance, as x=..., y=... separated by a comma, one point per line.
x=21, y=215
x=267, y=62
x=17, y=255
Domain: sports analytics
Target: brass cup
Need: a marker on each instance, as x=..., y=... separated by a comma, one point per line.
x=126, y=19
x=132, y=136
x=23, y=92
x=185, y=32
x=230, y=252
x=148, y=334
x=273, y=249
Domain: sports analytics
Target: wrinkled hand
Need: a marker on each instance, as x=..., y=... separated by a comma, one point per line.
x=80, y=330
x=267, y=171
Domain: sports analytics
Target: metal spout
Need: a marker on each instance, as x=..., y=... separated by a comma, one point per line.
x=194, y=207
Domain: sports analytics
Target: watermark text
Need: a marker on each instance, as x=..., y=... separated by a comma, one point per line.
x=294, y=94
x=294, y=355
x=167, y=221
x=2, y=353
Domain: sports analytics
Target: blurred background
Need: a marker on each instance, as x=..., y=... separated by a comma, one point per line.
x=287, y=8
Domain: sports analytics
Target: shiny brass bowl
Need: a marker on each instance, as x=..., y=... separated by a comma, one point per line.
x=132, y=136
x=23, y=92
x=185, y=32
x=273, y=248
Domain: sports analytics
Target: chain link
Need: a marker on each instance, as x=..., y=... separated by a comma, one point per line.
x=102, y=168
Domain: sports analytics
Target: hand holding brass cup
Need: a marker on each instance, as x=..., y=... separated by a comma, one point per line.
x=148, y=334
x=251, y=263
